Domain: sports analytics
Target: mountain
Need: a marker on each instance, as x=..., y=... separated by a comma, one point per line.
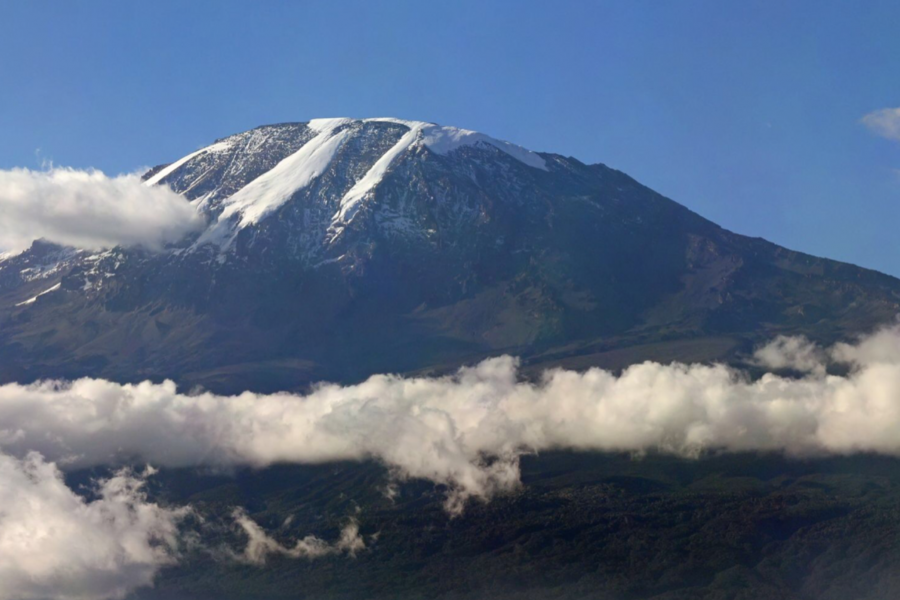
x=339, y=248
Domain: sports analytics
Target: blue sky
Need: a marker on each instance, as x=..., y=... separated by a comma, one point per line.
x=749, y=113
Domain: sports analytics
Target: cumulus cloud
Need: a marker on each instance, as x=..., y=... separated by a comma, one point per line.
x=884, y=122
x=882, y=347
x=56, y=544
x=792, y=352
x=468, y=431
x=260, y=545
x=90, y=210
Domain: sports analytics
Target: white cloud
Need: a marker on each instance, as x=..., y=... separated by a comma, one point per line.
x=87, y=209
x=884, y=122
x=260, y=545
x=882, y=347
x=468, y=431
x=56, y=544
x=791, y=352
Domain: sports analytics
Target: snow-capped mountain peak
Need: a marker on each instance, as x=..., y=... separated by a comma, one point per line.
x=257, y=173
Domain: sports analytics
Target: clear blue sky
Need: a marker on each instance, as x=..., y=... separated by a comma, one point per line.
x=747, y=112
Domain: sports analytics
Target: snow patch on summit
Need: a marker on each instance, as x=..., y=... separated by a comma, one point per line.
x=271, y=190
x=326, y=125
x=444, y=140
x=163, y=173
x=350, y=203
x=439, y=139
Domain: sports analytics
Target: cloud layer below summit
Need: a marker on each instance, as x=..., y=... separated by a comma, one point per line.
x=468, y=431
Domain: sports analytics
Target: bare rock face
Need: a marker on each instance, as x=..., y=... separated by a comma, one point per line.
x=339, y=248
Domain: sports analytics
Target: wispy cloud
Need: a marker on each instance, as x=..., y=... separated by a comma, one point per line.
x=884, y=122
x=90, y=210
x=261, y=545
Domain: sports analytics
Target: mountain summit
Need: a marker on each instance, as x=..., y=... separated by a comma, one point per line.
x=339, y=248
x=333, y=167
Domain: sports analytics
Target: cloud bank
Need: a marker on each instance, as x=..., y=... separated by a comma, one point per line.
x=468, y=431
x=884, y=122
x=87, y=209
x=55, y=544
